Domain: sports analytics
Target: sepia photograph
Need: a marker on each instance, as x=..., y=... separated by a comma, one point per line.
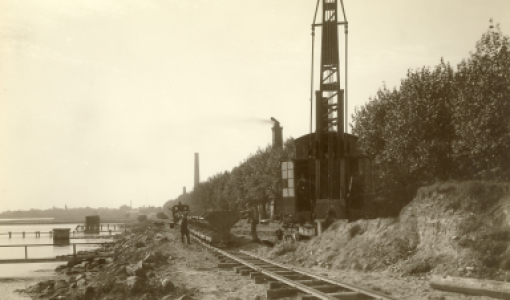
x=254, y=150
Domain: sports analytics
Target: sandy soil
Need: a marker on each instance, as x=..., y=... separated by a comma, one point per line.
x=196, y=269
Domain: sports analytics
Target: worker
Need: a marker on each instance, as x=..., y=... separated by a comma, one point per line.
x=184, y=228
x=254, y=221
x=355, y=193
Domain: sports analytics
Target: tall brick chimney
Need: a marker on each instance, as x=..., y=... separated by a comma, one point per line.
x=197, y=171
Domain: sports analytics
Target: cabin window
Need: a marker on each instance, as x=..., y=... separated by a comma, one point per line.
x=288, y=179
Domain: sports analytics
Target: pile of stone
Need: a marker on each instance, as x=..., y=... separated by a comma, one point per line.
x=130, y=271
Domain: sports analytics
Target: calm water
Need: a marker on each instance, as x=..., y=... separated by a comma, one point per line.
x=16, y=276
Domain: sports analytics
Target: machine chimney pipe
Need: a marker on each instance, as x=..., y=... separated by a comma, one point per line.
x=277, y=134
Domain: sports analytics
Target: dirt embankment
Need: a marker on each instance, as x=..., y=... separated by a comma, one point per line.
x=459, y=229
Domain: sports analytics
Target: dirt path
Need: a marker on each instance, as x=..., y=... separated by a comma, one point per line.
x=196, y=269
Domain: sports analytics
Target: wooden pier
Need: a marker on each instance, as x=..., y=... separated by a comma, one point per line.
x=50, y=233
x=36, y=260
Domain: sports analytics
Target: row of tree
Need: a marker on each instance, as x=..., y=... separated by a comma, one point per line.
x=254, y=181
x=442, y=123
x=439, y=124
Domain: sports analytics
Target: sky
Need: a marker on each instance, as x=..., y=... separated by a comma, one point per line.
x=105, y=102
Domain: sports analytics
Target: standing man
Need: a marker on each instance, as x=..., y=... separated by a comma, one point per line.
x=184, y=228
x=355, y=194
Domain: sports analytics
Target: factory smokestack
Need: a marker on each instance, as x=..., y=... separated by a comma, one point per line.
x=197, y=171
x=277, y=134
x=184, y=190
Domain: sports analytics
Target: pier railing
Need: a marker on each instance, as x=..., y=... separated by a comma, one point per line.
x=26, y=246
x=50, y=233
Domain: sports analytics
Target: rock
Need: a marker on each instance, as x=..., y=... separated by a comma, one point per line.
x=151, y=274
x=130, y=271
x=36, y=288
x=150, y=258
x=49, y=283
x=81, y=283
x=73, y=285
x=100, y=260
x=89, y=293
x=137, y=270
x=140, y=272
x=48, y=291
x=73, y=262
x=145, y=266
x=257, y=298
x=60, y=284
x=59, y=294
x=60, y=268
x=78, y=269
x=121, y=271
x=167, y=285
x=81, y=276
x=470, y=269
x=135, y=284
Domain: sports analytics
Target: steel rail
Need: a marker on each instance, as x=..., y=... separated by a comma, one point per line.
x=328, y=280
x=273, y=275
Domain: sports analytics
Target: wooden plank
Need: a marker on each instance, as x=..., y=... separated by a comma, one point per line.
x=491, y=288
x=280, y=293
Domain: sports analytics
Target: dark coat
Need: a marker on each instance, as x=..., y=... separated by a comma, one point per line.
x=184, y=225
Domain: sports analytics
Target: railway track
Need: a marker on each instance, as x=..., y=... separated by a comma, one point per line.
x=284, y=281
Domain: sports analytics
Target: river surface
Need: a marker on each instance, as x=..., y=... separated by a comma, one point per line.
x=21, y=275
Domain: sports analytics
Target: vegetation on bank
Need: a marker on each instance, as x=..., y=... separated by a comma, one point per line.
x=255, y=181
x=439, y=124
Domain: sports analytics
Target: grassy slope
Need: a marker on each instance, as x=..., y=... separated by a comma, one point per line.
x=449, y=228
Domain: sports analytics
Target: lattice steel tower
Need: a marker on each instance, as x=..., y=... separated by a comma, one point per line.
x=330, y=105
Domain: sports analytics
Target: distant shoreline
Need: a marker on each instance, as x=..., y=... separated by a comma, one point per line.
x=36, y=221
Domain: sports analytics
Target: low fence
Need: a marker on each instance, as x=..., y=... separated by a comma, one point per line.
x=26, y=246
x=50, y=233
